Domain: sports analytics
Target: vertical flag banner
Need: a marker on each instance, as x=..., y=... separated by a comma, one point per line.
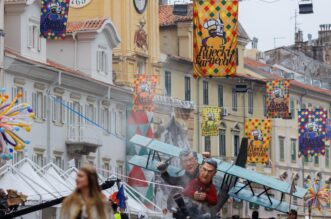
x=215, y=25
x=278, y=99
x=144, y=90
x=54, y=17
x=258, y=132
x=211, y=118
x=312, y=130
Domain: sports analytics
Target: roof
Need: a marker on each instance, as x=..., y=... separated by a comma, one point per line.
x=260, y=68
x=85, y=25
x=166, y=17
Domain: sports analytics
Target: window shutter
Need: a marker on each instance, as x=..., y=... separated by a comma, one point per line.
x=14, y=92
x=105, y=62
x=88, y=114
x=81, y=113
x=53, y=110
x=44, y=106
x=94, y=114
x=98, y=60
x=30, y=36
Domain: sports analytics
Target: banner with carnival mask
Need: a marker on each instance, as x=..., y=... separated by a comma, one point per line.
x=312, y=132
x=54, y=17
x=211, y=118
x=258, y=132
x=215, y=29
x=278, y=99
x=144, y=91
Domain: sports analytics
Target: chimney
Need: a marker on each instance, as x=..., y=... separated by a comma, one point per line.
x=298, y=39
x=255, y=42
x=310, y=37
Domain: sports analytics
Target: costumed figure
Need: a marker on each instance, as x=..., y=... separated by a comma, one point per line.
x=256, y=145
x=215, y=30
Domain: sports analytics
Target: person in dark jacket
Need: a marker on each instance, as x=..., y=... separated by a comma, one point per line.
x=3, y=202
x=189, y=162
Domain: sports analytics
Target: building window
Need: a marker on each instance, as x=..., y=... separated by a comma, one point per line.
x=58, y=161
x=250, y=102
x=310, y=106
x=293, y=150
x=38, y=158
x=119, y=169
x=90, y=111
x=303, y=106
x=187, y=88
x=316, y=160
x=205, y=93
x=58, y=110
x=292, y=108
x=119, y=121
x=167, y=81
x=234, y=100
x=207, y=144
x=265, y=113
x=34, y=39
x=253, y=206
x=18, y=156
x=105, y=119
x=141, y=65
x=102, y=61
x=220, y=95
x=236, y=144
x=106, y=169
x=19, y=90
x=39, y=104
x=281, y=148
x=222, y=143
x=327, y=156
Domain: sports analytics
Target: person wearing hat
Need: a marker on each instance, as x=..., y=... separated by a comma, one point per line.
x=215, y=29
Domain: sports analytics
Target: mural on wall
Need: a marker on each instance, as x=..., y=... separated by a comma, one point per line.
x=258, y=132
x=215, y=29
x=312, y=132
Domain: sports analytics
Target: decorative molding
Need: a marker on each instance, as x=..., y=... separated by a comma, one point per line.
x=106, y=159
x=58, y=153
x=75, y=96
x=19, y=81
x=174, y=102
x=106, y=102
x=39, y=86
x=91, y=99
x=58, y=90
x=120, y=107
x=39, y=150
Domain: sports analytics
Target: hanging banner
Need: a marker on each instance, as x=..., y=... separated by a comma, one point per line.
x=211, y=118
x=258, y=131
x=144, y=90
x=278, y=99
x=215, y=31
x=312, y=128
x=54, y=17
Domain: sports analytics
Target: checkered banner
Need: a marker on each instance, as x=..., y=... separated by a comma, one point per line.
x=258, y=132
x=211, y=118
x=312, y=130
x=54, y=17
x=215, y=38
x=144, y=90
x=278, y=99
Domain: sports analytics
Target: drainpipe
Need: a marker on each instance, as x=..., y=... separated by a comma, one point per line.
x=2, y=44
x=48, y=116
x=75, y=50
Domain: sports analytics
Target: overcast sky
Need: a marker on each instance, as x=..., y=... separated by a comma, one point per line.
x=266, y=19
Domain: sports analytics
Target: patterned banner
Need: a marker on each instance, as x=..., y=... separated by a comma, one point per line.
x=258, y=132
x=312, y=128
x=144, y=90
x=278, y=99
x=53, y=20
x=215, y=38
x=211, y=118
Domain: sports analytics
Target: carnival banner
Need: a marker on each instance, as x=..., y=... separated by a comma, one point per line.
x=211, y=118
x=258, y=132
x=278, y=99
x=312, y=128
x=215, y=26
x=144, y=90
x=54, y=17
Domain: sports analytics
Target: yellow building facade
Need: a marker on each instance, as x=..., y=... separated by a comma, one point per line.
x=137, y=25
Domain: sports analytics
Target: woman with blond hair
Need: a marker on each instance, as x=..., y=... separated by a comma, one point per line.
x=87, y=201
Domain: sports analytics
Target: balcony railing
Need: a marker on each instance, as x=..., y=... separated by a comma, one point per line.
x=84, y=134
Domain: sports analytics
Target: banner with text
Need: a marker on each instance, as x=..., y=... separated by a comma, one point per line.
x=211, y=118
x=53, y=20
x=278, y=99
x=215, y=31
x=312, y=132
x=258, y=132
x=144, y=91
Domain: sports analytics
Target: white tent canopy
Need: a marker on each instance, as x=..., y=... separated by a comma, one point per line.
x=51, y=182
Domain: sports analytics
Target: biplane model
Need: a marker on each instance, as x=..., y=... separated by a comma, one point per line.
x=237, y=182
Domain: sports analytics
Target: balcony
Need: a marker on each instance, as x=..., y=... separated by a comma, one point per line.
x=83, y=139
